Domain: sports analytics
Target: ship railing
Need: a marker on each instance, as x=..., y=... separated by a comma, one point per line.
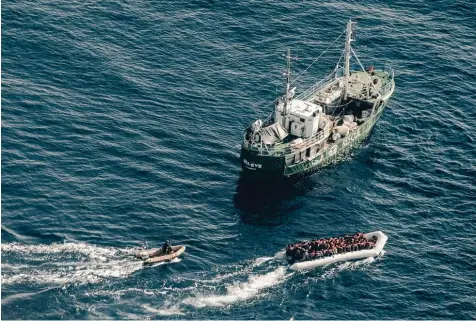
x=311, y=92
x=389, y=81
x=282, y=149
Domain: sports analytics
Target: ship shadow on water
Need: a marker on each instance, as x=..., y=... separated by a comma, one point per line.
x=269, y=202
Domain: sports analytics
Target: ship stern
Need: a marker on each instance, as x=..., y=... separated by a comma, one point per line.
x=257, y=165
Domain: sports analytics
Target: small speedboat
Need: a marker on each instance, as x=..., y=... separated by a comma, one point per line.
x=379, y=242
x=155, y=255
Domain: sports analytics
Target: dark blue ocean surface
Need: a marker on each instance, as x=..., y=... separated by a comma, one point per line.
x=122, y=123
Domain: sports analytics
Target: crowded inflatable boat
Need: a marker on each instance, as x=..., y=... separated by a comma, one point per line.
x=323, y=251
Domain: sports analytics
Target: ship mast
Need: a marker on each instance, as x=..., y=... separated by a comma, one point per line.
x=348, y=40
x=287, y=76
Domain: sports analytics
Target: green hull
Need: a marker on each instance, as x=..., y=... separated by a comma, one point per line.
x=336, y=151
x=271, y=167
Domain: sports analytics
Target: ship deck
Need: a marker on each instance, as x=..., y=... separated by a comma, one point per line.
x=365, y=86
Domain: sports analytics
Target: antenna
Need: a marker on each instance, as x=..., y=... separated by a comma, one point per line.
x=348, y=40
x=288, y=94
x=287, y=76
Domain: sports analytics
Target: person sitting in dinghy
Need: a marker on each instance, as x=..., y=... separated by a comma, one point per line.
x=373, y=240
x=292, y=253
x=289, y=254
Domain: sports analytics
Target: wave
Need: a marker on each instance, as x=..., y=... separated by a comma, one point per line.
x=174, y=310
x=239, y=291
x=80, y=263
x=253, y=287
x=223, y=289
x=346, y=266
x=235, y=292
x=66, y=247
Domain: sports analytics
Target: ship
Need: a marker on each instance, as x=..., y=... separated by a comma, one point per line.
x=323, y=123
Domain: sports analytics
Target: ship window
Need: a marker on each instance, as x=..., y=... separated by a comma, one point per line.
x=308, y=152
x=302, y=120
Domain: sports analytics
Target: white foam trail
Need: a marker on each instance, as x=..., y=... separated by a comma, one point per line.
x=174, y=310
x=85, y=249
x=85, y=263
x=239, y=291
x=118, y=293
x=176, y=260
x=262, y=260
x=221, y=278
x=332, y=272
x=364, y=262
x=74, y=274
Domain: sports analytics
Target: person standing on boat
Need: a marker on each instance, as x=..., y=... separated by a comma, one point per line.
x=166, y=248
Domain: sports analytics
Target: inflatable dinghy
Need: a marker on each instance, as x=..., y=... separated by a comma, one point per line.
x=155, y=255
x=375, y=251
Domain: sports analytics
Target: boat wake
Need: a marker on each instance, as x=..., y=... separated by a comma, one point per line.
x=239, y=291
x=345, y=266
x=65, y=263
x=222, y=288
x=262, y=260
x=81, y=263
x=222, y=291
x=175, y=310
